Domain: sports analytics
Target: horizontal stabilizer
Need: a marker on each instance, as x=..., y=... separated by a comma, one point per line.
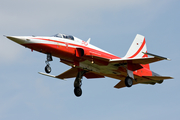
x=157, y=56
x=136, y=60
x=144, y=61
x=157, y=77
x=121, y=84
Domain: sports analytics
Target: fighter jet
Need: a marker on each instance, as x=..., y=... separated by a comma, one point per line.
x=92, y=62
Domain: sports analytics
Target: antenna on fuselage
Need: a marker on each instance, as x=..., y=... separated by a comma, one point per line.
x=88, y=40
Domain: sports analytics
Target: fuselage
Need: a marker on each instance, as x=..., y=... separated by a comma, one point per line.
x=76, y=52
x=64, y=48
x=92, y=62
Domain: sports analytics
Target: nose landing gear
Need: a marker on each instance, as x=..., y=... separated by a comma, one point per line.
x=78, y=83
x=78, y=91
x=48, y=68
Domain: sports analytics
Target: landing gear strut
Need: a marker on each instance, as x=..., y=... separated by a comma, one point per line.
x=78, y=83
x=49, y=58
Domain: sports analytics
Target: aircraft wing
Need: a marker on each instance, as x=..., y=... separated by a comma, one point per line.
x=71, y=73
x=157, y=77
x=67, y=74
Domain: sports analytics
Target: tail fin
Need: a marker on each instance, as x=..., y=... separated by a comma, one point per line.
x=137, y=48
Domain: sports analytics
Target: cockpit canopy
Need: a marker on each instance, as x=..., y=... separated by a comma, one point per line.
x=64, y=36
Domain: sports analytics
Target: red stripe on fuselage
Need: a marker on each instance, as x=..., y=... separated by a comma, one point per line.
x=101, y=53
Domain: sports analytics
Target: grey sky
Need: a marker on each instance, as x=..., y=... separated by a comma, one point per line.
x=112, y=26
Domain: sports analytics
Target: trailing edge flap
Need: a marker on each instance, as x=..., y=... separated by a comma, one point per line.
x=71, y=73
x=157, y=77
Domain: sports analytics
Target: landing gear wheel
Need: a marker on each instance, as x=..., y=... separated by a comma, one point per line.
x=48, y=69
x=49, y=58
x=128, y=81
x=77, y=91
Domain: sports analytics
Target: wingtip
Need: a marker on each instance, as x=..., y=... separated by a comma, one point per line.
x=46, y=74
x=157, y=56
x=50, y=75
x=171, y=78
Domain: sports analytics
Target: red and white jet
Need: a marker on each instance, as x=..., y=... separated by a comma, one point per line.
x=93, y=62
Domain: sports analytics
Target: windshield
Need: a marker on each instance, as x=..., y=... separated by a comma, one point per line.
x=64, y=36
x=58, y=35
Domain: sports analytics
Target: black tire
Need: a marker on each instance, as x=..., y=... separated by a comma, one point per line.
x=160, y=81
x=78, y=91
x=128, y=81
x=48, y=69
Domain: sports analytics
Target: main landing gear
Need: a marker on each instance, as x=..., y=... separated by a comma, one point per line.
x=129, y=78
x=78, y=83
x=128, y=81
x=49, y=58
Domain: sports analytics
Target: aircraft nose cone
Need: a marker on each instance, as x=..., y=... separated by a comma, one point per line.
x=19, y=40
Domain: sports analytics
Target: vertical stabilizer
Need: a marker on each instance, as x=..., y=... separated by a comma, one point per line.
x=137, y=48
